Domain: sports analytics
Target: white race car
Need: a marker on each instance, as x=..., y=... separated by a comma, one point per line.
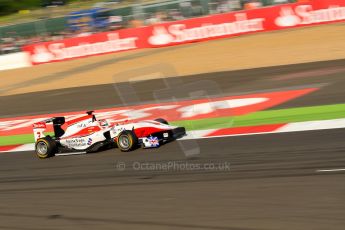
x=87, y=134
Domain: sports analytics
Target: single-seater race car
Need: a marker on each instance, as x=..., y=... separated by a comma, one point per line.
x=87, y=134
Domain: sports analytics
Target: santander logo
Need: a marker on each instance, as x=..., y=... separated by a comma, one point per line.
x=305, y=15
x=160, y=36
x=60, y=51
x=287, y=18
x=175, y=33
x=41, y=54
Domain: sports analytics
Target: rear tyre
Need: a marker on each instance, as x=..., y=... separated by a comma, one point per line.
x=161, y=120
x=127, y=141
x=45, y=147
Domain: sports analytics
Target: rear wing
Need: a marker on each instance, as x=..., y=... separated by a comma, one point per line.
x=40, y=127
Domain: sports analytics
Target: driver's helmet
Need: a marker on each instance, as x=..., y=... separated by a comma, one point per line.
x=103, y=122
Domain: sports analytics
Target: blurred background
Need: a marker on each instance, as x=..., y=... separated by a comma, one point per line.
x=282, y=73
x=32, y=21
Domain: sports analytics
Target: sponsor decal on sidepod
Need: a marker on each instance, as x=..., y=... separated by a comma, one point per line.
x=76, y=142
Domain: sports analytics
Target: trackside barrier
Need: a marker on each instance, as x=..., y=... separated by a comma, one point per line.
x=193, y=30
x=15, y=60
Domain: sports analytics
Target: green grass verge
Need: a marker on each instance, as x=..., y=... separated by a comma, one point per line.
x=18, y=139
x=313, y=113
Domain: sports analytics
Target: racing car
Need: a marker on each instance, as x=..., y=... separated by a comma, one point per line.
x=87, y=134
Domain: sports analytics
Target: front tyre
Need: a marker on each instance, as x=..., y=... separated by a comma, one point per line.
x=127, y=141
x=45, y=147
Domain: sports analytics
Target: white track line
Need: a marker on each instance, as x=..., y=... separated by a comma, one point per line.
x=312, y=125
x=330, y=170
x=25, y=147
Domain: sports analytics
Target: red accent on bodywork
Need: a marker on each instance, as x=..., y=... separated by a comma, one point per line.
x=79, y=119
x=84, y=132
x=147, y=131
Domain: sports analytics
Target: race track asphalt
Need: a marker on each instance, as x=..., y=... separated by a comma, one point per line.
x=273, y=181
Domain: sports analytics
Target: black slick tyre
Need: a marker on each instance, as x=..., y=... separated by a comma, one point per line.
x=45, y=147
